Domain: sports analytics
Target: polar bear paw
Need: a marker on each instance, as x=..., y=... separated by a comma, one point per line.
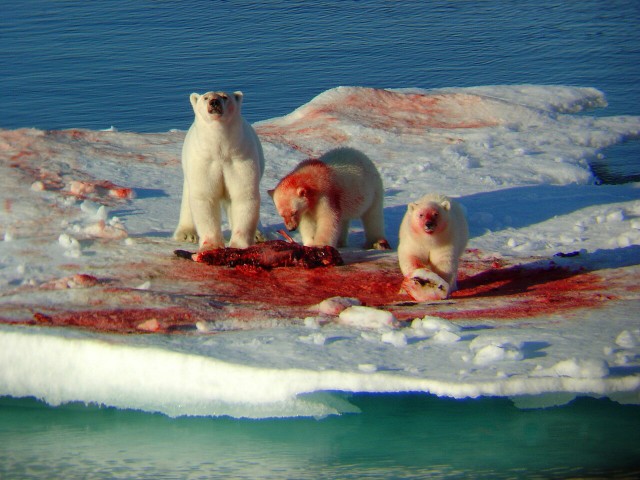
x=425, y=286
x=188, y=235
x=381, y=244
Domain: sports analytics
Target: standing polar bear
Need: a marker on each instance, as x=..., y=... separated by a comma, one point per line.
x=323, y=196
x=222, y=163
x=433, y=236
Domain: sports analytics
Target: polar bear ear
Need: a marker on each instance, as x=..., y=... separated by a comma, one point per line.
x=271, y=192
x=411, y=207
x=238, y=96
x=193, y=98
x=446, y=204
x=301, y=192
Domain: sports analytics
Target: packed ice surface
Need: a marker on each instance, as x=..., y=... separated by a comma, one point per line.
x=516, y=157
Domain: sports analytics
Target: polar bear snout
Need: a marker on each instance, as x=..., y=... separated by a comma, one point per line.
x=429, y=220
x=291, y=223
x=216, y=105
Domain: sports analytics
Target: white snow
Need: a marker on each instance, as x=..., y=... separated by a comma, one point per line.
x=335, y=305
x=626, y=339
x=575, y=368
x=366, y=317
x=519, y=166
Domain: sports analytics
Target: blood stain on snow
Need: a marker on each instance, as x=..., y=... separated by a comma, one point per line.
x=487, y=288
x=189, y=292
x=521, y=292
x=324, y=118
x=130, y=320
x=292, y=287
x=85, y=188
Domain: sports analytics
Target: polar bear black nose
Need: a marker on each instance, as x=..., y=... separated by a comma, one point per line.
x=215, y=105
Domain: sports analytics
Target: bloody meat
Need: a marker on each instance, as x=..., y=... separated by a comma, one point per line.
x=268, y=255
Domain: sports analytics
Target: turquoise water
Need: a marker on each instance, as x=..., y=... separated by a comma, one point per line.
x=398, y=436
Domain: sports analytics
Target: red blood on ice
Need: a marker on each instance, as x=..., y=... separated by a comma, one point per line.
x=290, y=287
x=324, y=118
x=186, y=292
x=521, y=292
x=115, y=190
x=486, y=288
x=98, y=189
x=125, y=320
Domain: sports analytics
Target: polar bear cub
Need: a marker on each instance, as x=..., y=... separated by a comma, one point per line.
x=433, y=236
x=322, y=196
x=222, y=163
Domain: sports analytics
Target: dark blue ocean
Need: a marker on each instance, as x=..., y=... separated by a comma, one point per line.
x=132, y=65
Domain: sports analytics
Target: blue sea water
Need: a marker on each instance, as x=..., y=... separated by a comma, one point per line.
x=132, y=65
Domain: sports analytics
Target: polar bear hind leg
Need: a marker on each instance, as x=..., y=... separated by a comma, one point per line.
x=243, y=220
x=373, y=223
x=344, y=233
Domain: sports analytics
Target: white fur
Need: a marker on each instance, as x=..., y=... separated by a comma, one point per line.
x=222, y=163
x=355, y=182
x=439, y=251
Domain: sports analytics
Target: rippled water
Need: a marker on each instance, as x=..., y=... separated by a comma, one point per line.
x=132, y=65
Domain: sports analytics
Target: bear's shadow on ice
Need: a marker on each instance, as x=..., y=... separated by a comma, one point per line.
x=520, y=207
x=150, y=192
x=534, y=349
x=603, y=259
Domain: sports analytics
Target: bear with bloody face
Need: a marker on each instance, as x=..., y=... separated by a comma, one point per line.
x=321, y=197
x=433, y=236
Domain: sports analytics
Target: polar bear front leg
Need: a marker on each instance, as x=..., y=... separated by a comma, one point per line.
x=244, y=217
x=307, y=228
x=373, y=223
x=186, y=230
x=410, y=263
x=207, y=217
x=327, y=227
x=241, y=182
x=445, y=264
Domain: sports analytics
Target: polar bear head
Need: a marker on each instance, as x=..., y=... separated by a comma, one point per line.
x=430, y=215
x=216, y=106
x=291, y=202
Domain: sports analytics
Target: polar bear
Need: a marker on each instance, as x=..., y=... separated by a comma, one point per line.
x=222, y=163
x=322, y=197
x=433, y=236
